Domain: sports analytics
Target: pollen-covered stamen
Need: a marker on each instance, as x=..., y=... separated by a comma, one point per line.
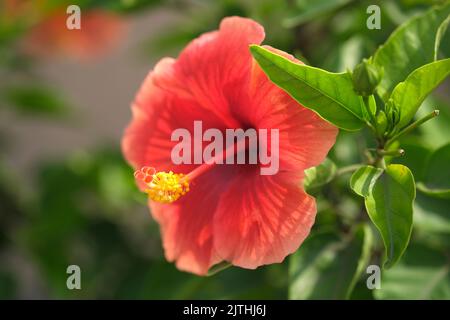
x=164, y=187
x=167, y=187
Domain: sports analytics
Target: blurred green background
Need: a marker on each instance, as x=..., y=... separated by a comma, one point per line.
x=67, y=196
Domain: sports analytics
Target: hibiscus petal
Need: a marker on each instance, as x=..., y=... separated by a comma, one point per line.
x=100, y=32
x=305, y=138
x=187, y=225
x=147, y=139
x=156, y=114
x=213, y=61
x=261, y=219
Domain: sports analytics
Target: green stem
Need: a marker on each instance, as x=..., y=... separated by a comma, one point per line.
x=348, y=169
x=412, y=126
x=380, y=162
x=392, y=153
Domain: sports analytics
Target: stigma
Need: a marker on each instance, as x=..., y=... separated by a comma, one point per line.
x=163, y=187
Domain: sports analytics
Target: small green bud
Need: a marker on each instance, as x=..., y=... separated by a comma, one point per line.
x=392, y=113
x=382, y=123
x=366, y=78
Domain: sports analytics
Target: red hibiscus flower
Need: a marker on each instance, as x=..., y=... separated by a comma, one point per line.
x=224, y=212
x=100, y=31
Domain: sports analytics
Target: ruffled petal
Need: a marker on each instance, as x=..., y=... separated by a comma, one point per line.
x=213, y=62
x=100, y=32
x=156, y=114
x=146, y=141
x=261, y=219
x=305, y=138
x=187, y=225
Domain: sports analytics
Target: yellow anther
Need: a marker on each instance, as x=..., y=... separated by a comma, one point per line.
x=167, y=187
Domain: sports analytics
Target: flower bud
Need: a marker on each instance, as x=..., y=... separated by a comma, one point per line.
x=381, y=123
x=392, y=114
x=366, y=78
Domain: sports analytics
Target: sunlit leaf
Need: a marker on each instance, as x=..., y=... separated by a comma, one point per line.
x=363, y=180
x=390, y=207
x=409, y=47
x=409, y=95
x=330, y=95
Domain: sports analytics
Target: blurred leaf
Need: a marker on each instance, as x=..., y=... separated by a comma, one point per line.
x=328, y=94
x=409, y=95
x=361, y=292
x=437, y=193
x=121, y=6
x=436, y=175
x=390, y=207
x=318, y=176
x=11, y=204
x=327, y=267
x=394, y=11
x=348, y=148
x=71, y=224
x=440, y=36
x=433, y=134
x=350, y=53
x=161, y=280
x=171, y=41
x=363, y=180
x=8, y=285
x=431, y=215
x=35, y=100
x=310, y=10
x=409, y=47
x=414, y=158
x=116, y=185
x=423, y=273
x=129, y=6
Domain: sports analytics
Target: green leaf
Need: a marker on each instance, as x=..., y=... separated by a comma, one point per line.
x=423, y=273
x=370, y=113
x=437, y=193
x=440, y=35
x=363, y=180
x=328, y=94
x=409, y=95
x=436, y=174
x=35, y=100
x=409, y=47
x=327, y=267
x=431, y=215
x=318, y=176
x=390, y=207
x=8, y=285
x=130, y=6
x=310, y=10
